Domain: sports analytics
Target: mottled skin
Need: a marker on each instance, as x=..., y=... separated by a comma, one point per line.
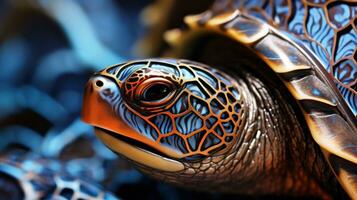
x=292, y=129
x=269, y=153
x=270, y=148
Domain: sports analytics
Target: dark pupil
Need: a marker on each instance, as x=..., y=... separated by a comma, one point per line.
x=156, y=92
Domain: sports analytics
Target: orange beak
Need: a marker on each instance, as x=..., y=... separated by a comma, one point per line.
x=99, y=113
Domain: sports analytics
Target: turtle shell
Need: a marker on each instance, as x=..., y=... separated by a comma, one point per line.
x=311, y=47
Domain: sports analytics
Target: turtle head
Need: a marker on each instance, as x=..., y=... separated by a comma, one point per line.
x=166, y=116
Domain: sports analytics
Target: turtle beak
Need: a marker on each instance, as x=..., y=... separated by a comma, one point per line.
x=98, y=112
x=113, y=131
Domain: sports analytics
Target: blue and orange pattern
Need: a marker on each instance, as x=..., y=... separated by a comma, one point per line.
x=327, y=28
x=200, y=115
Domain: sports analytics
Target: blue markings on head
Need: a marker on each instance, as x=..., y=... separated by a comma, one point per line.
x=126, y=70
x=175, y=141
x=138, y=124
x=165, y=68
x=201, y=110
x=210, y=141
x=188, y=123
x=163, y=122
x=197, y=90
x=199, y=105
x=208, y=78
x=187, y=73
x=181, y=104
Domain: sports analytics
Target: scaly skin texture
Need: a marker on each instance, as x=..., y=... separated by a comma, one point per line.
x=271, y=156
x=266, y=146
x=266, y=150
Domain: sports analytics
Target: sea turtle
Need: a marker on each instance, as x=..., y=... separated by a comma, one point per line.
x=259, y=98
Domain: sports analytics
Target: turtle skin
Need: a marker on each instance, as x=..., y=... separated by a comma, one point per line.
x=279, y=43
x=327, y=28
x=314, y=42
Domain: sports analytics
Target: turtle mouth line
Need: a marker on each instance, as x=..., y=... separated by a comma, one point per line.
x=137, y=152
x=135, y=143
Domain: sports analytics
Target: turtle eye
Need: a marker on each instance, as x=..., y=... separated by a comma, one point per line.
x=156, y=92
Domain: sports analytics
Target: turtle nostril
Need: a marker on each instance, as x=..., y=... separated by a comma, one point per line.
x=99, y=83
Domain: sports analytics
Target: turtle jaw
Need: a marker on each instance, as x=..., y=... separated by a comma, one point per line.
x=137, y=154
x=99, y=113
